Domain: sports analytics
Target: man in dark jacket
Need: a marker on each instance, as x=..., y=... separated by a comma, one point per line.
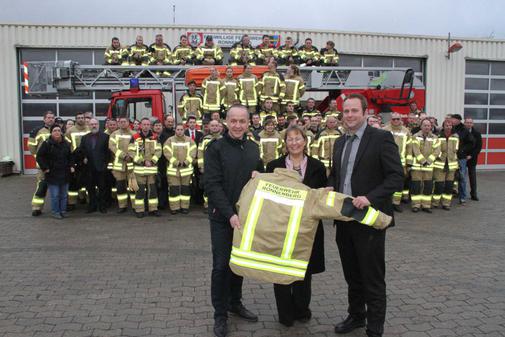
x=162, y=182
x=472, y=162
x=366, y=165
x=229, y=163
x=95, y=151
x=466, y=143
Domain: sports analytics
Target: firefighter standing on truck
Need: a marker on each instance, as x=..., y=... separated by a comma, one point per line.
x=74, y=136
x=180, y=152
x=248, y=89
x=212, y=91
x=138, y=53
x=243, y=53
x=115, y=54
x=37, y=137
x=295, y=87
x=445, y=166
x=183, y=54
x=265, y=52
x=160, y=54
x=209, y=53
x=425, y=149
x=403, y=140
x=214, y=133
x=272, y=86
x=122, y=165
x=145, y=150
x=190, y=104
x=324, y=148
x=231, y=90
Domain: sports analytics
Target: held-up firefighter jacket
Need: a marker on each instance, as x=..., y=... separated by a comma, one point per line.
x=212, y=90
x=279, y=217
x=180, y=153
x=119, y=141
x=448, y=152
x=143, y=148
x=271, y=86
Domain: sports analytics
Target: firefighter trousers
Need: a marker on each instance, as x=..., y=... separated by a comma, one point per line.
x=421, y=187
x=404, y=193
x=76, y=190
x=147, y=190
x=179, y=191
x=121, y=188
x=40, y=192
x=444, y=182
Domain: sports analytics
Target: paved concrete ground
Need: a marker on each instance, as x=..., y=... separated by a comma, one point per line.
x=118, y=276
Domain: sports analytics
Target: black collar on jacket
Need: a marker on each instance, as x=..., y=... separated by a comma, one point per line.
x=233, y=141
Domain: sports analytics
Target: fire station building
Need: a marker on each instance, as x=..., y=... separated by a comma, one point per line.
x=469, y=81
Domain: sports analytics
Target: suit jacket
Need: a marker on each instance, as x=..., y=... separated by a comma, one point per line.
x=198, y=135
x=377, y=171
x=315, y=177
x=99, y=157
x=477, y=147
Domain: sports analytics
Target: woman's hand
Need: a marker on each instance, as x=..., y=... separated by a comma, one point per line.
x=72, y=169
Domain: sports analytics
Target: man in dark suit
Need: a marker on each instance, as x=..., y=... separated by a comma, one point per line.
x=366, y=165
x=192, y=132
x=474, y=156
x=94, y=149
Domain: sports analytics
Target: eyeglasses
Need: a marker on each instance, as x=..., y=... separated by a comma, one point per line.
x=395, y=119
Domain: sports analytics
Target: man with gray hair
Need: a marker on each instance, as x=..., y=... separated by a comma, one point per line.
x=94, y=149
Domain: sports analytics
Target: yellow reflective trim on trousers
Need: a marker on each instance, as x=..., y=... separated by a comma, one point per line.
x=330, y=199
x=250, y=223
x=73, y=194
x=267, y=267
x=292, y=233
x=447, y=196
x=153, y=201
x=269, y=258
x=139, y=202
x=37, y=201
x=370, y=216
x=122, y=197
x=174, y=199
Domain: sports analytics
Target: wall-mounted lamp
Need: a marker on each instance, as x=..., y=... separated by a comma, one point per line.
x=452, y=48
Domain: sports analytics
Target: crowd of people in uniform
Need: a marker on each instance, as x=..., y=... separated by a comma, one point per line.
x=158, y=165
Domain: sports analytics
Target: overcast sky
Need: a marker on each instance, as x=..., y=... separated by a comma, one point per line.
x=463, y=18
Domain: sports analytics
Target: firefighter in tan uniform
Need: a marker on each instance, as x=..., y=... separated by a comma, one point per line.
x=445, y=166
x=403, y=140
x=115, y=54
x=138, y=53
x=271, y=86
x=425, y=149
x=295, y=87
x=309, y=55
x=209, y=53
x=242, y=53
x=35, y=140
x=324, y=148
x=287, y=53
x=145, y=150
x=74, y=136
x=190, y=104
x=161, y=55
x=180, y=152
x=271, y=143
x=212, y=91
x=248, y=89
x=183, y=54
x=122, y=166
x=266, y=52
x=329, y=55
x=268, y=111
x=214, y=133
x=231, y=89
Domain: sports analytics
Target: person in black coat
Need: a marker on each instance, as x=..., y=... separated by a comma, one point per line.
x=94, y=149
x=474, y=156
x=366, y=165
x=293, y=300
x=466, y=144
x=162, y=182
x=55, y=160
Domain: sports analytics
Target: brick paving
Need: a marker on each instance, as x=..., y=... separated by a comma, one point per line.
x=115, y=275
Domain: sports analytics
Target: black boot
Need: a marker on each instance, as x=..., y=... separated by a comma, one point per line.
x=349, y=324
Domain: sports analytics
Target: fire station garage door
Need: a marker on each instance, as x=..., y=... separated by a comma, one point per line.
x=485, y=103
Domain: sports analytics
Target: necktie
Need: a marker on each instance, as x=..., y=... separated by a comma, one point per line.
x=193, y=134
x=345, y=161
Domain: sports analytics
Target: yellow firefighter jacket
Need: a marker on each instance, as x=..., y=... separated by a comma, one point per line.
x=203, y=146
x=279, y=217
x=448, y=152
x=139, y=55
x=324, y=148
x=160, y=54
x=248, y=89
x=424, y=151
x=36, y=138
x=180, y=153
x=119, y=141
x=242, y=55
x=212, y=91
x=270, y=146
x=205, y=54
x=271, y=86
x=115, y=56
x=190, y=105
x=144, y=148
x=183, y=53
x=75, y=134
x=403, y=140
x=295, y=88
x=230, y=92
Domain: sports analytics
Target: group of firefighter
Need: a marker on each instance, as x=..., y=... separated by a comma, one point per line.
x=241, y=53
x=152, y=162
